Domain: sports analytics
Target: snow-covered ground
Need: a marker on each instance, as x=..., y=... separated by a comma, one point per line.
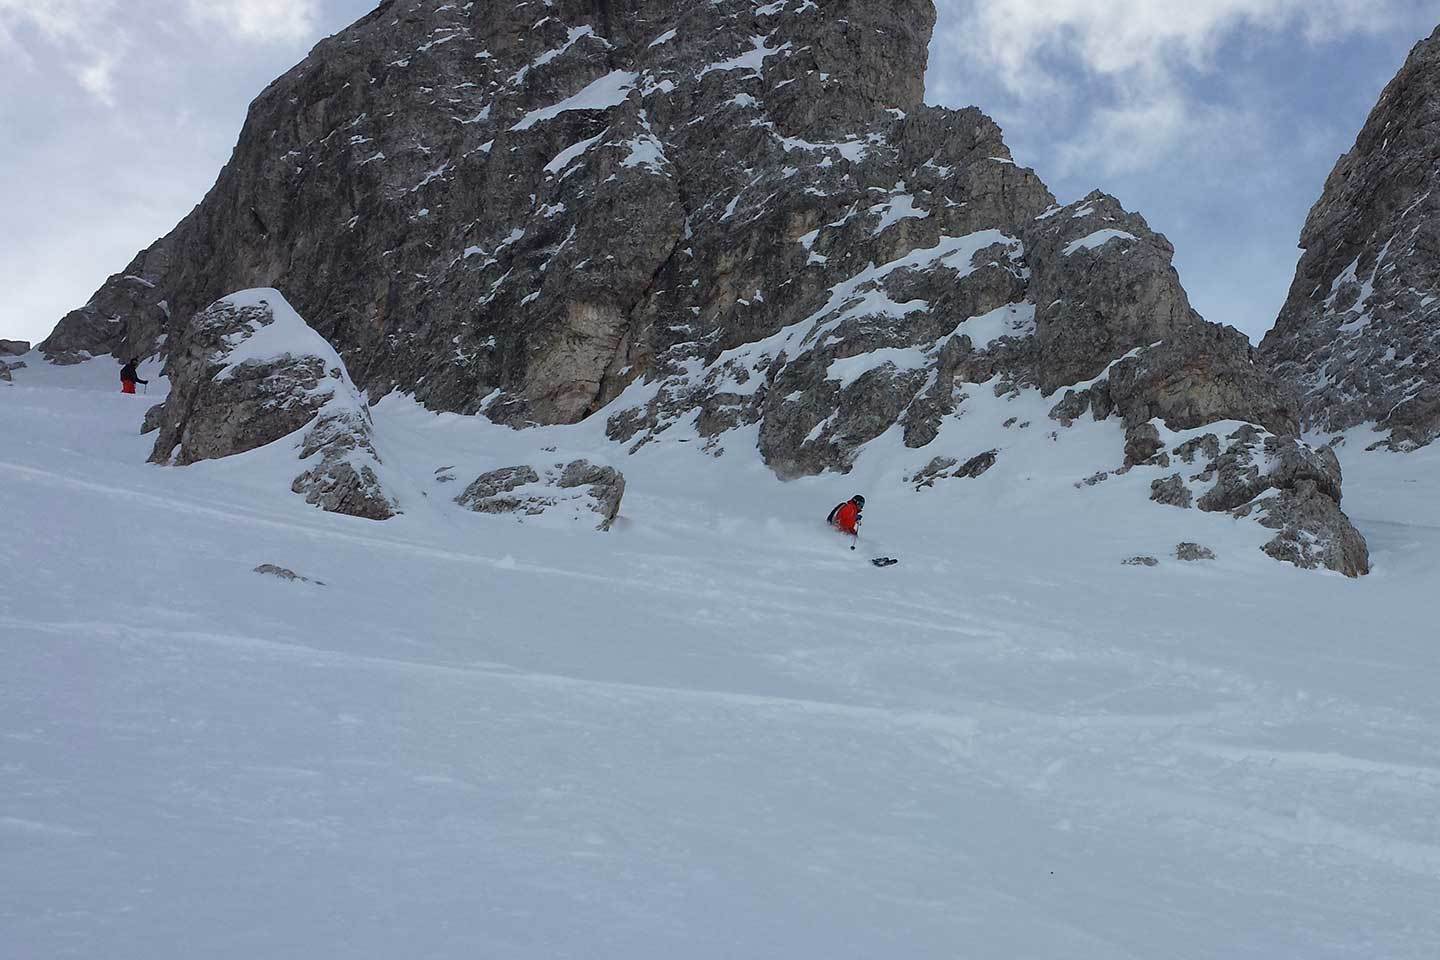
x=714, y=731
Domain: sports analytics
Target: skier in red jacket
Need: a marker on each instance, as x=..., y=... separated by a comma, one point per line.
x=846, y=516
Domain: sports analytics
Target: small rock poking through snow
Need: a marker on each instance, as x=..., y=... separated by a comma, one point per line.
x=282, y=573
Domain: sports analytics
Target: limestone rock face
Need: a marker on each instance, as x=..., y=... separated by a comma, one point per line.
x=1313, y=532
x=1284, y=483
x=248, y=371
x=736, y=218
x=483, y=197
x=1360, y=332
x=579, y=487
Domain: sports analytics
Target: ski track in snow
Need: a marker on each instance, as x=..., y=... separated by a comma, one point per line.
x=714, y=732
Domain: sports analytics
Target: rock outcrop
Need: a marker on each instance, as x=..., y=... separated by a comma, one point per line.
x=1285, y=484
x=246, y=372
x=1193, y=552
x=14, y=348
x=734, y=217
x=579, y=488
x=1360, y=332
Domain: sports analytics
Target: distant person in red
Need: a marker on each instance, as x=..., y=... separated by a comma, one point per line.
x=129, y=376
x=846, y=517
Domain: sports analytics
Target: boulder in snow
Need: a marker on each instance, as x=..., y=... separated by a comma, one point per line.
x=1313, y=531
x=580, y=486
x=248, y=371
x=1286, y=484
x=1191, y=552
x=944, y=468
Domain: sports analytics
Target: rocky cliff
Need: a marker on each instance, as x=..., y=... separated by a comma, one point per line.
x=733, y=216
x=1360, y=332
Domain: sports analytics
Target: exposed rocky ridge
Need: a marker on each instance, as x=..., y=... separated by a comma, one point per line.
x=14, y=348
x=1360, y=331
x=735, y=217
x=246, y=372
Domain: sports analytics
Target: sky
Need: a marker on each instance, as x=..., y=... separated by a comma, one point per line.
x=1217, y=119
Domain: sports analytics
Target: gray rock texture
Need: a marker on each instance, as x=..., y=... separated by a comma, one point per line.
x=246, y=372
x=154, y=419
x=1360, y=332
x=579, y=485
x=945, y=468
x=1191, y=552
x=1171, y=491
x=7, y=367
x=1283, y=483
x=14, y=348
x=710, y=213
x=283, y=573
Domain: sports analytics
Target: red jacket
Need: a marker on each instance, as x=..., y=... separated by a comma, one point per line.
x=847, y=518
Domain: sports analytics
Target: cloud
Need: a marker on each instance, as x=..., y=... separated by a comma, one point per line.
x=98, y=77
x=1154, y=39
x=91, y=40
x=1120, y=78
x=260, y=21
x=33, y=33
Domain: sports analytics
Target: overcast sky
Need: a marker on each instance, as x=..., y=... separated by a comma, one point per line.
x=1216, y=119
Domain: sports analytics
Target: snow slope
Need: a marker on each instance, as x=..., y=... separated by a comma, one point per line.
x=713, y=732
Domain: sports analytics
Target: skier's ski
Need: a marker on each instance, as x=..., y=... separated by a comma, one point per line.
x=884, y=561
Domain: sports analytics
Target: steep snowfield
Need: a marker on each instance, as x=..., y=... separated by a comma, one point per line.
x=712, y=732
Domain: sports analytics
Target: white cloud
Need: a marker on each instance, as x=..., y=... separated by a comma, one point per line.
x=90, y=40
x=261, y=21
x=30, y=32
x=98, y=77
x=1155, y=38
x=1124, y=66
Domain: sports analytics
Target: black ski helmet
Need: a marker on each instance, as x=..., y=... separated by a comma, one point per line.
x=858, y=500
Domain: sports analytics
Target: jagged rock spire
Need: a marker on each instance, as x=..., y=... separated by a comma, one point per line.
x=1360, y=332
